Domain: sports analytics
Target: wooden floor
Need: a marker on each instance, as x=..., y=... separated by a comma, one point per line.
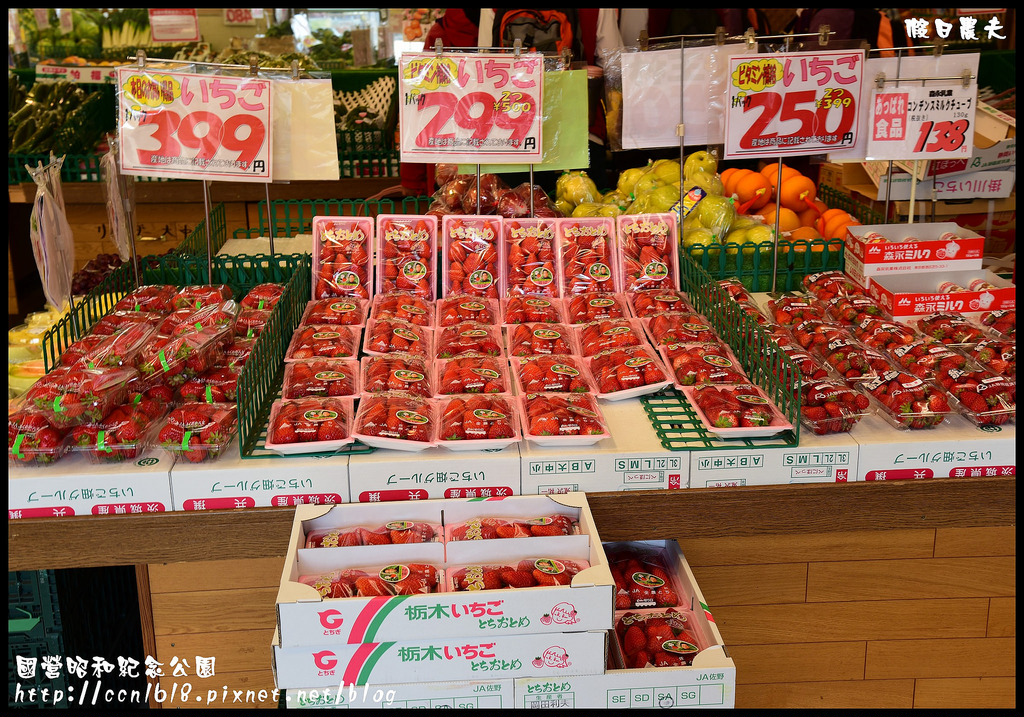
x=864, y=619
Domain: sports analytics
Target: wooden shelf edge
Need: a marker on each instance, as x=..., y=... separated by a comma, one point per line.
x=90, y=541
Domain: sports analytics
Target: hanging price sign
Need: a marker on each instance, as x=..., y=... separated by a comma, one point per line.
x=793, y=103
x=922, y=123
x=189, y=126
x=480, y=108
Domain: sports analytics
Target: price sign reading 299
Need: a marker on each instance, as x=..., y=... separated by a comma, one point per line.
x=471, y=108
x=189, y=126
x=793, y=103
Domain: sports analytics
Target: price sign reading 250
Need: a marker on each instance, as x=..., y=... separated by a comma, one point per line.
x=793, y=103
x=194, y=126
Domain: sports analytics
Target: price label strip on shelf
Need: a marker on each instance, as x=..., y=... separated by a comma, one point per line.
x=190, y=126
x=793, y=103
x=472, y=108
x=913, y=123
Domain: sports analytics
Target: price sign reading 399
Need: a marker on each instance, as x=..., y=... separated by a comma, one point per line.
x=190, y=126
x=473, y=108
x=793, y=103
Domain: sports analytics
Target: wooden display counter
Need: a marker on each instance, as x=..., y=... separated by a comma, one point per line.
x=858, y=595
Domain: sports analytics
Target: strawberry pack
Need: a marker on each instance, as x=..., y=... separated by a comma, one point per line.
x=396, y=421
x=685, y=328
x=1001, y=325
x=648, y=246
x=388, y=336
x=828, y=285
x=217, y=385
x=73, y=396
x=526, y=573
x=156, y=298
x=342, y=255
x=492, y=528
x=656, y=638
x=32, y=438
x=853, y=310
x=596, y=306
x=696, y=364
x=538, y=339
x=851, y=360
x=176, y=359
x=884, y=335
x=398, y=579
x=586, y=255
x=250, y=322
x=601, y=336
x=999, y=356
x=472, y=374
x=394, y=532
x=121, y=435
x=262, y=297
x=469, y=338
x=472, y=255
x=323, y=341
x=404, y=307
x=642, y=577
x=401, y=372
x=530, y=266
x=651, y=302
x=198, y=432
x=343, y=311
x=478, y=422
x=562, y=419
x=736, y=410
x=406, y=260
x=559, y=373
x=336, y=378
x=791, y=310
x=187, y=319
x=929, y=359
x=735, y=289
x=197, y=296
x=908, y=402
x=120, y=349
x=831, y=406
x=310, y=425
x=457, y=309
x=950, y=329
x=983, y=397
x=626, y=373
x=117, y=321
x=531, y=310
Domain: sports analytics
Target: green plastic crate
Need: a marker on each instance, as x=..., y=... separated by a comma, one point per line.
x=291, y=217
x=33, y=632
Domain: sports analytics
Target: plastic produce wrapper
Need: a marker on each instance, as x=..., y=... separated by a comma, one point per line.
x=119, y=204
x=305, y=145
x=564, y=126
x=52, y=241
x=651, y=95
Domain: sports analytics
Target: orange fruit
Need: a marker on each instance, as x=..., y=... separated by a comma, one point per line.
x=726, y=173
x=771, y=171
x=835, y=227
x=788, y=220
x=753, y=191
x=797, y=192
x=810, y=215
x=730, y=183
x=826, y=215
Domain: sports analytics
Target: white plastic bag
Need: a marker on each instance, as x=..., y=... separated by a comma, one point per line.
x=52, y=241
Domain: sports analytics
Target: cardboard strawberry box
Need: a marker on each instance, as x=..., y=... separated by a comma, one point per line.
x=887, y=249
x=306, y=618
x=909, y=295
x=708, y=682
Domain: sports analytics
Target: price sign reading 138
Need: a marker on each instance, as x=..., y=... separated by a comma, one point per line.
x=922, y=123
x=189, y=126
x=793, y=103
x=479, y=108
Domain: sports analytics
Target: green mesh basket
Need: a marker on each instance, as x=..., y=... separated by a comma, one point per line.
x=195, y=243
x=753, y=265
x=291, y=217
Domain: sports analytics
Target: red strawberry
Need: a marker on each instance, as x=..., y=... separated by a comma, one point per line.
x=634, y=640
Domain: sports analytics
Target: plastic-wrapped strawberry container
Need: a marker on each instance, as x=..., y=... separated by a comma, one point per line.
x=696, y=364
x=996, y=355
x=335, y=378
x=753, y=311
x=831, y=406
x=657, y=638
x=388, y=336
x=612, y=334
x=401, y=372
x=950, y=329
x=929, y=359
x=151, y=389
x=198, y=432
x=626, y=373
x=117, y=321
x=338, y=311
x=342, y=257
x=262, y=297
x=559, y=373
x=185, y=320
x=984, y=398
x=736, y=411
x=237, y=352
x=493, y=528
x=531, y=268
x=651, y=302
x=377, y=581
x=120, y=349
x=853, y=310
x=562, y=419
x=735, y=289
x=452, y=310
x=406, y=260
x=310, y=425
x=810, y=367
x=907, y=402
x=468, y=338
x=121, y=435
x=648, y=250
x=218, y=385
x=404, y=307
x=472, y=374
x=479, y=422
x=403, y=423
x=32, y=438
x=665, y=329
x=884, y=335
x=394, y=532
x=157, y=298
x=251, y=322
x=827, y=285
x=791, y=310
x=531, y=310
x=852, y=361
x=177, y=359
x=585, y=247
x=526, y=573
x=642, y=577
x=540, y=339
x=1000, y=325
x=596, y=306
x=472, y=255
x=323, y=341
x=200, y=295
x=73, y=396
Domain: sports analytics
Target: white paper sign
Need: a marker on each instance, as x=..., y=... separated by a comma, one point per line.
x=174, y=25
x=916, y=122
x=305, y=144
